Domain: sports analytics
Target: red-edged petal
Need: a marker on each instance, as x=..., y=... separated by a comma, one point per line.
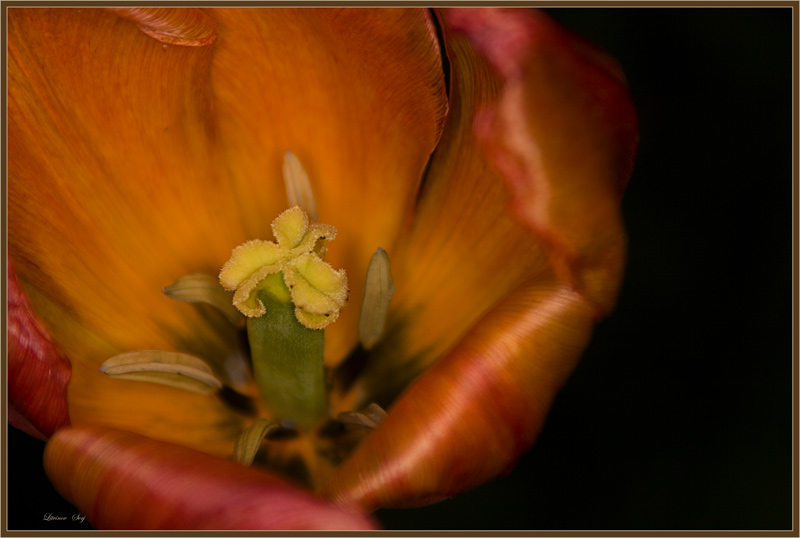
x=121, y=480
x=473, y=413
x=38, y=371
x=564, y=135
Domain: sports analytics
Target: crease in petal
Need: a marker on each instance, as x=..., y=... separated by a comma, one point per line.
x=121, y=480
x=463, y=252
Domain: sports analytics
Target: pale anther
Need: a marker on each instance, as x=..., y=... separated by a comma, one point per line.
x=369, y=418
x=165, y=368
x=205, y=289
x=298, y=186
x=247, y=444
x=378, y=292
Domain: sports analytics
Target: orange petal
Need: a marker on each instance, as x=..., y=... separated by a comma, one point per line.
x=357, y=95
x=112, y=190
x=473, y=413
x=120, y=480
x=114, y=193
x=38, y=371
x=464, y=251
x=564, y=135
x=121, y=184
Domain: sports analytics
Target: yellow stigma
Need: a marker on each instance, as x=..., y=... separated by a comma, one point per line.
x=291, y=268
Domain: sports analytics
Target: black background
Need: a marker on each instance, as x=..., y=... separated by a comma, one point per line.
x=680, y=414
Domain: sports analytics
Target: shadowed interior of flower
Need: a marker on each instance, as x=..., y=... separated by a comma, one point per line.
x=198, y=291
x=284, y=295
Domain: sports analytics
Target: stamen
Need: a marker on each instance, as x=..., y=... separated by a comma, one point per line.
x=298, y=187
x=369, y=418
x=205, y=289
x=249, y=441
x=378, y=292
x=163, y=367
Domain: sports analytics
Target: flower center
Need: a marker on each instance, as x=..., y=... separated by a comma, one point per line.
x=283, y=294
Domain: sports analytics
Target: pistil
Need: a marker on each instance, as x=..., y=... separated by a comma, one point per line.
x=289, y=294
x=288, y=364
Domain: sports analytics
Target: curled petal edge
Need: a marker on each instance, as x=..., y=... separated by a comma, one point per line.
x=563, y=134
x=170, y=487
x=38, y=370
x=188, y=27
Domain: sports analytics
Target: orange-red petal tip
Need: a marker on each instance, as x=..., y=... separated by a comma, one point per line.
x=189, y=27
x=563, y=134
x=471, y=415
x=38, y=370
x=121, y=480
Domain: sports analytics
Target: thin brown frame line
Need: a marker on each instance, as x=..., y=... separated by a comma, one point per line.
x=395, y=533
x=796, y=263
x=630, y=4
x=623, y=4
x=398, y=533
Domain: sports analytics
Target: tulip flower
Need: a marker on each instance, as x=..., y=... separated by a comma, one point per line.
x=471, y=163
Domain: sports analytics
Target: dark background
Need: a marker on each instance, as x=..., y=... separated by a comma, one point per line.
x=680, y=414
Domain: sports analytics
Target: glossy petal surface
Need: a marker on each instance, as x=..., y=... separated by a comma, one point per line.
x=121, y=480
x=38, y=371
x=564, y=135
x=471, y=415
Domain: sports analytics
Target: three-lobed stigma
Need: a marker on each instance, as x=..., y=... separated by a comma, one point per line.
x=291, y=269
